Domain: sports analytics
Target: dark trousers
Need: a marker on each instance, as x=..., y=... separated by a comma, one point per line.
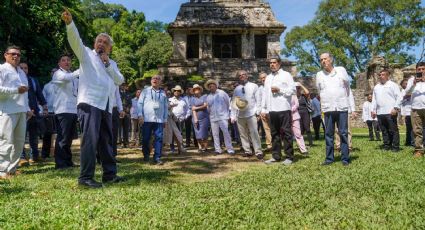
x=115, y=127
x=305, y=125
x=281, y=128
x=341, y=120
x=157, y=129
x=390, y=133
x=32, y=132
x=124, y=126
x=261, y=129
x=317, y=121
x=47, y=144
x=373, y=126
x=66, y=129
x=410, y=141
x=96, y=127
x=189, y=130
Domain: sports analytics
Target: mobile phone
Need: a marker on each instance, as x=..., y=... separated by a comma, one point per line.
x=419, y=75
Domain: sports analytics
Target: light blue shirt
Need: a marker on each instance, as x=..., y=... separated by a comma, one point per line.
x=218, y=105
x=316, y=107
x=153, y=105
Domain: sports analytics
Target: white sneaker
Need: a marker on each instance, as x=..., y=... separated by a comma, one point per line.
x=287, y=162
x=271, y=161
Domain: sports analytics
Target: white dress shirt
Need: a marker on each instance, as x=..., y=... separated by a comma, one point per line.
x=10, y=100
x=406, y=103
x=97, y=83
x=367, y=112
x=49, y=92
x=66, y=91
x=249, y=92
x=386, y=97
x=418, y=93
x=281, y=101
x=334, y=90
x=179, y=108
x=218, y=105
x=117, y=102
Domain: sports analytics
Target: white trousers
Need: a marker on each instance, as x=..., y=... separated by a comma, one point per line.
x=12, y=140
x=215, y=128
x=248, y=130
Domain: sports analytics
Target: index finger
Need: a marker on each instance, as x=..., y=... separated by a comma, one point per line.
x=66, y=10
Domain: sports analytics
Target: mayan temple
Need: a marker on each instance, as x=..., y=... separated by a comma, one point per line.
x=215, y=38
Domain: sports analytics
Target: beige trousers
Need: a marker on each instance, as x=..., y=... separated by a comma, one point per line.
x=418, y=119
x=266, y=127
x=12, y=140
x=248, y=130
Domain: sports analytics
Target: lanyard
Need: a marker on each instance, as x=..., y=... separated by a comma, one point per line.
x=159, y=94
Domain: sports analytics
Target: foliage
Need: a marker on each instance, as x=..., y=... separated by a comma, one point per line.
x=355, y=31
x=36, y=27
x=150, y=73
x=379, y=190
x=195, y=78
x=157, y=50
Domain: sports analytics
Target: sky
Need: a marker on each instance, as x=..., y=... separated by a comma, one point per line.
x=290, y=12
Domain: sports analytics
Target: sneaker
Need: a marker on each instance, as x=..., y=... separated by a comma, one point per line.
x=287, y=162
x=271, y=161
x=231, y=152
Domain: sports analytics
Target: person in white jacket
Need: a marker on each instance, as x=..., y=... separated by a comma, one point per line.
x=372, y=123
x=99, y=77
x=247, y=94
x=334, y=87
x=416, y=88
x=65, y=87
x=386, y=100
x=14, y=110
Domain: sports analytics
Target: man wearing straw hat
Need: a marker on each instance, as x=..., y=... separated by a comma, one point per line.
x=218, y=104
x=246, y=107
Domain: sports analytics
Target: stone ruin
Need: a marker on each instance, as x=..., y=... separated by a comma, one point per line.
x=215, y=38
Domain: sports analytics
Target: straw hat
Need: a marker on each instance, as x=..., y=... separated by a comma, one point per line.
x=177, y=88
x=239, y=103
x=210, y=81
x=196, y=86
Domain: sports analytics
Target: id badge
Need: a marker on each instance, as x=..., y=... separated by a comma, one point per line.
x=156, y=105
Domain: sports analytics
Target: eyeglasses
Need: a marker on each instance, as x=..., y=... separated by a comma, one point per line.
x=14, y=54
x=243, y=74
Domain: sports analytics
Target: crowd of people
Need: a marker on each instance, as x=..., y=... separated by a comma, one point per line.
x=94, y=104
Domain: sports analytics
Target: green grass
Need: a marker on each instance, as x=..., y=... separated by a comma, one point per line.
x=379, y=190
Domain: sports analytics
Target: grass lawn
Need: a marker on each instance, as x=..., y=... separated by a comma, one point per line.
x=379, y=190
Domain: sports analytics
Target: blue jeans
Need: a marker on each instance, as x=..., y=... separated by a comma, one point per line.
x=341, y=120
x=157, y=129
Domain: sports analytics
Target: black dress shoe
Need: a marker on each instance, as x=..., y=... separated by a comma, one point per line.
x=326, y=163
x=90, y=183
x=113, y=180
x=345, y=163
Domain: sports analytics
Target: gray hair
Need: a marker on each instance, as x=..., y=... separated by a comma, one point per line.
x=330, y=56
x=111, y=42
x=262, y=73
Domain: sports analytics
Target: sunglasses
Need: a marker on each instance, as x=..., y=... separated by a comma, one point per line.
x=14, y=54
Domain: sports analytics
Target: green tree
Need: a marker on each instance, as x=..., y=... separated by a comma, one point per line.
x=356, y=30
x=36, y=27
x=157, y=50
